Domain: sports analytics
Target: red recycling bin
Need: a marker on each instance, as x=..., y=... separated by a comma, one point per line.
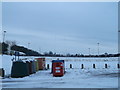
x=58, y=68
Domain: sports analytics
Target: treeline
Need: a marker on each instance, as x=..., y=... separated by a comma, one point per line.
x=10, y=48
x=51, y=54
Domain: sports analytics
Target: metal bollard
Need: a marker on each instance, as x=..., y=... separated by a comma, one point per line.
x=70, y=65
x=48, y=66
x=106, y=66
x=118, y=65
x=82, y=66
x=93, y=65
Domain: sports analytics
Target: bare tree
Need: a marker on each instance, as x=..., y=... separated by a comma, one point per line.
x=11, y=43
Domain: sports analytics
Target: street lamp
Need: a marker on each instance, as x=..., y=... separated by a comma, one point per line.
x=98, y=47
x=4, y=36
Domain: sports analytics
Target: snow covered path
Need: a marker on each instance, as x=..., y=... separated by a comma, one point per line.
x=76, y=78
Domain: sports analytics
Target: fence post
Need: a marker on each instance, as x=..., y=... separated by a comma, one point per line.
x=82, y=66
x=70, y=65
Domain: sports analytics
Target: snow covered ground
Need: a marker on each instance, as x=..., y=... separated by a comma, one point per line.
x=75, y=77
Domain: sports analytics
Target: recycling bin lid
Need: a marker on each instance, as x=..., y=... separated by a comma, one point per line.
x=57, y=61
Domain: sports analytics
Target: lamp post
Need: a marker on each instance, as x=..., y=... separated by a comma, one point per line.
x=28, y=45
x=39, y=50
x=118, y=41
x=89, y=50
x=4, y=35
x=98, y=47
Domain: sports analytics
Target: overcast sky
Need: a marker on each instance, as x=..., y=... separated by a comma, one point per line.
x=62, y=27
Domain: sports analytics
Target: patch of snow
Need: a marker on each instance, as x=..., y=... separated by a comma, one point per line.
x=75, y=77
